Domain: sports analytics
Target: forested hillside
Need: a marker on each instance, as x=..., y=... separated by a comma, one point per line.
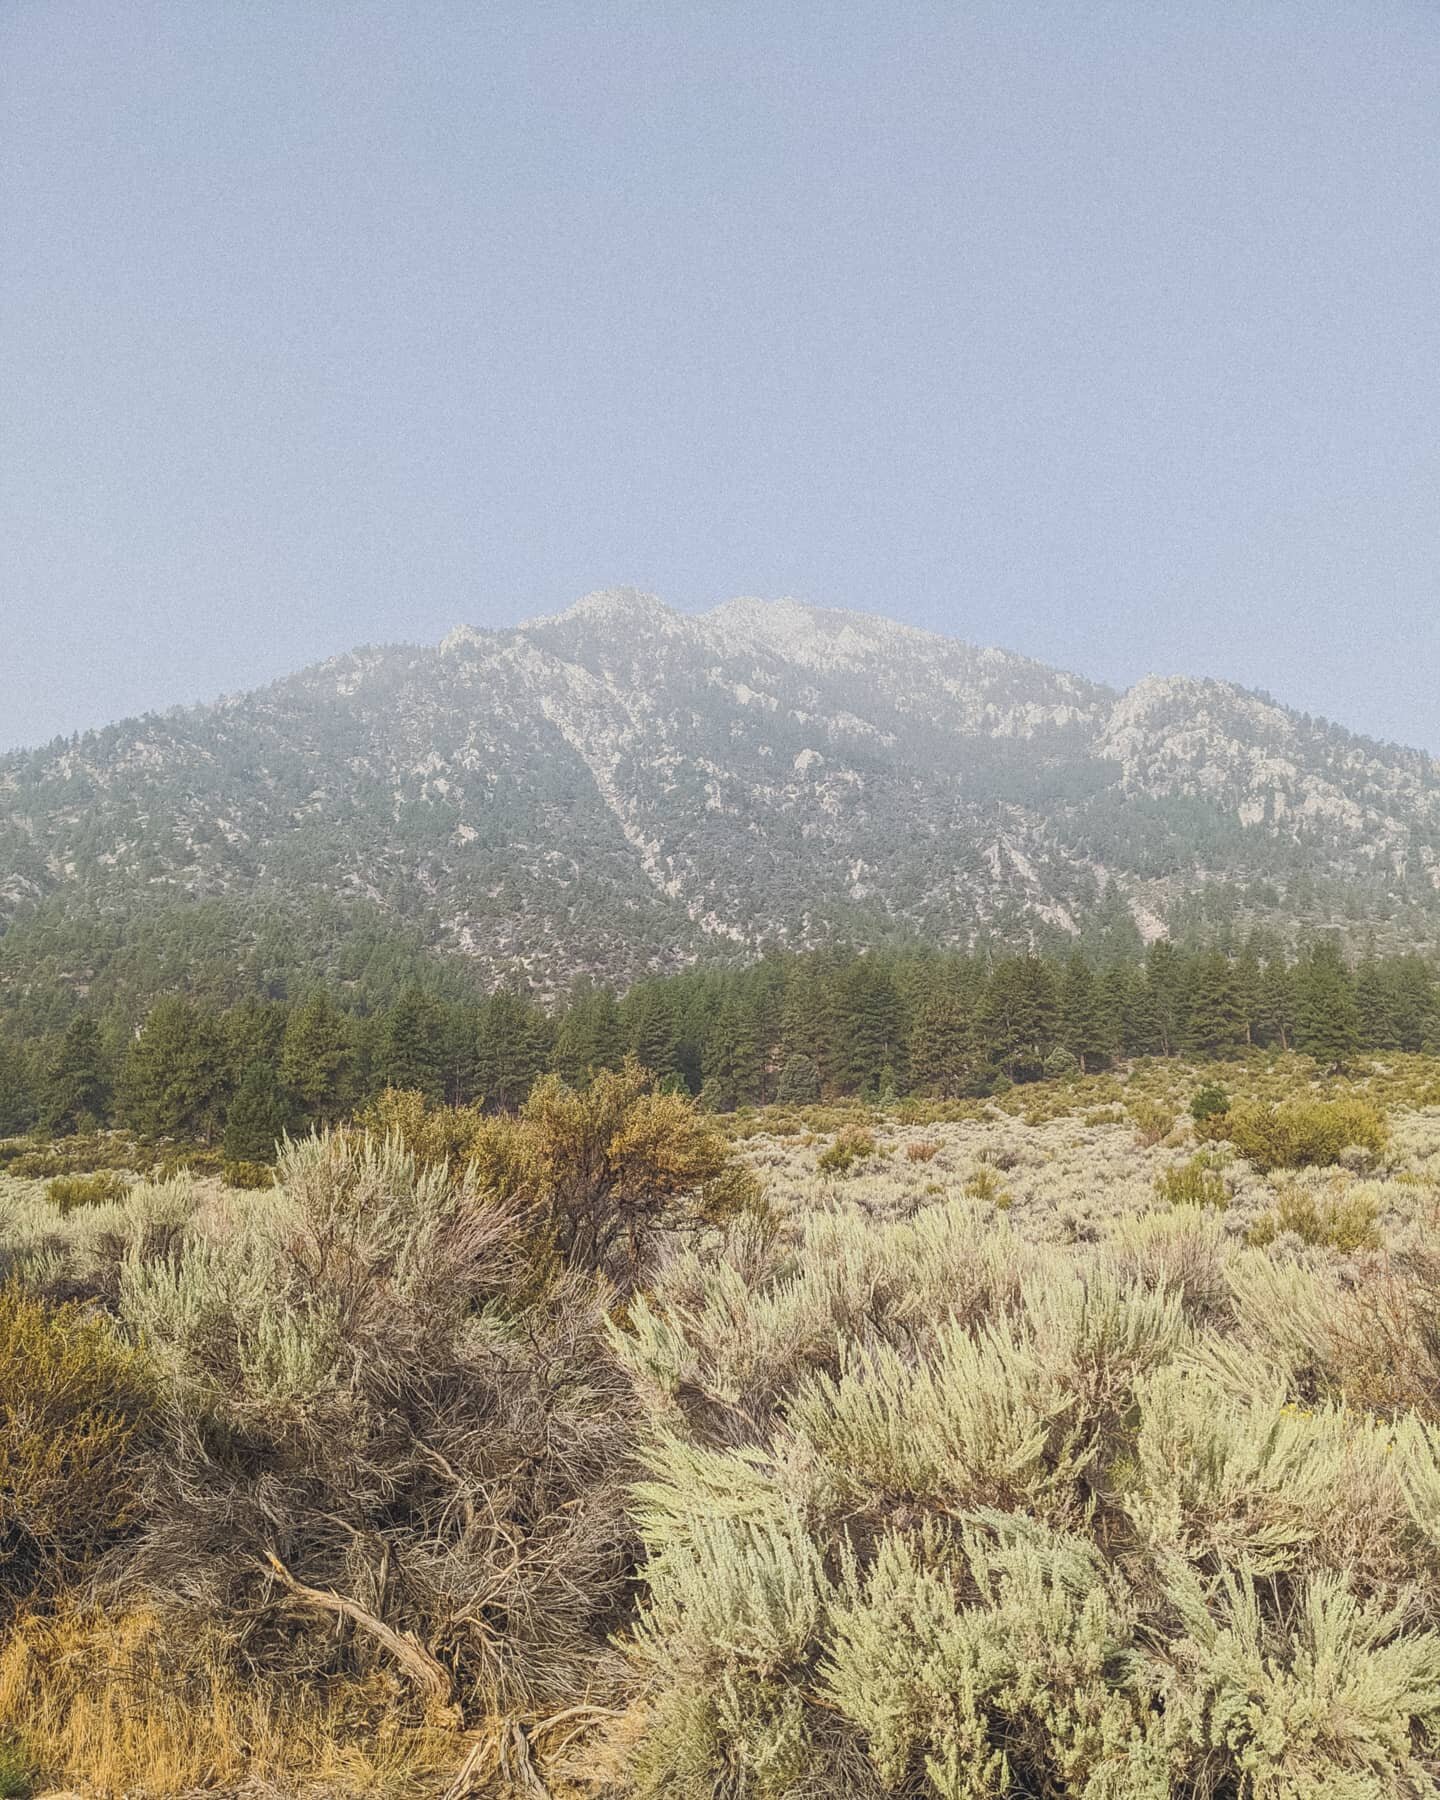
x=831, y=1025
x=623, y=791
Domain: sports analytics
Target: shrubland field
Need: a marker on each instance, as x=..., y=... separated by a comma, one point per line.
x=1079, y=1441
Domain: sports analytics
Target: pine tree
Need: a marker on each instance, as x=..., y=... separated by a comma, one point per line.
x=1144, y=1026
x=412, y=1044
x=1275, y=1012
x=1376, y=1008
x=175, y=1076
x=733, y=1064
x=1215, y=1025
x=1327, y=1018
x=589, y=1037
x=799, y=1083
x=258, y=1116
x=316, y=1062
x=1085, y=1030
x=808, y=1016
x=1019, y=1016
x=650, y=1033
x=1164, y=977
x=942, y=1047
x=869, y=1023
x=76, y=1089
x=510, y=1050
x=17, y=1098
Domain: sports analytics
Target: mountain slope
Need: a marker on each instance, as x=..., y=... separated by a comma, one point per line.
x=623, y=788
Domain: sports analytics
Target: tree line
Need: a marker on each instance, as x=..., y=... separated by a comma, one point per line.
x=792, y=1028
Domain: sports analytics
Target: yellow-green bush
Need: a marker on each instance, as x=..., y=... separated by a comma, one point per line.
x=1153, y=1122
x=1304, y=1133
x=66, y=1192
x=74, y=1405
x=851, y=1146
x=1338, y=1221
x=1197, y=1182
x=248, y=1176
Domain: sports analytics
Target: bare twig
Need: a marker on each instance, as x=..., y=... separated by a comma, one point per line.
x=419, y=1664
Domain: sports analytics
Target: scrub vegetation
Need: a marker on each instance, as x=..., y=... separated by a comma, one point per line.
x=1082, y=1438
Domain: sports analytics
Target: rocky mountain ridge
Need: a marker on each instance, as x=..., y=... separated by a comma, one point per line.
x=621, y=788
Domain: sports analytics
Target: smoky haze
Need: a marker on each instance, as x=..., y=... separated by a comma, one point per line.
x=1106, y=333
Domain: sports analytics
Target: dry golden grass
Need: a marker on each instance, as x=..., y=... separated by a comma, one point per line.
x=120, y=1705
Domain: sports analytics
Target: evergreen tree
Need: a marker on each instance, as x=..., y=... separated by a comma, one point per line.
x=1164, y=980
x=799, y=1083
x=175, y=1075
x=1215, y=1024
x=1019, y=1015
x=510, y=1050
x=869, y=1024
x=942, y=1047
x=1144, y=1030
x=316, y=1064
x=1413, y=990
x=1085, y=1030
x=1275, y=1012
x=1327, y=1017
x=76, y=1089
x=258, y=1116
x=17, y=1097
x=650, y=1033
x=808, y=1022
x=734, y=1063
x=413, y=1044
x=589, y=1037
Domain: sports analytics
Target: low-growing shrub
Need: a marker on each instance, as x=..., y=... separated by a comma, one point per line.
x=17, y=1769
x=75, y=1403
x=1153, y=1122
x=249, y=1175
x=1209, y=1102
x=922, y=1150
x=67, y=1192
x=1197, y=1182
x=1338, y=1221
x=983, y=1183
x=850, y=1146
x=1304, y=1133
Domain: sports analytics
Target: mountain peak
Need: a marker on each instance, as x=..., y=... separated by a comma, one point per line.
x=623, y=788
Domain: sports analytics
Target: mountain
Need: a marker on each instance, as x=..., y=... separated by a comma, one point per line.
x=622, y=788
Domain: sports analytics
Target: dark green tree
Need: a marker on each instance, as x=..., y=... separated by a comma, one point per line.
x=869, y=1022
x=942, y=1046
x=1327, y=1017
x=258, y=1116
x=799, y=1083
x=734, y=1061
x=76, y=1089
x=175, y=1076
x=17, y=1095
x=511, y=1049
x=316, y=1063
x=413, y=1040
x=1214, y=1021
x=589, y=1035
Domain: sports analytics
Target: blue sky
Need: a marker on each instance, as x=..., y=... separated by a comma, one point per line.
x=1108, y=333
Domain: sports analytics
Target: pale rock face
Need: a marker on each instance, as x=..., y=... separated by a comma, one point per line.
x=622, y=788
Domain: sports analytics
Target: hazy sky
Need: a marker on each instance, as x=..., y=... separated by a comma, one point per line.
x=1108, y=333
